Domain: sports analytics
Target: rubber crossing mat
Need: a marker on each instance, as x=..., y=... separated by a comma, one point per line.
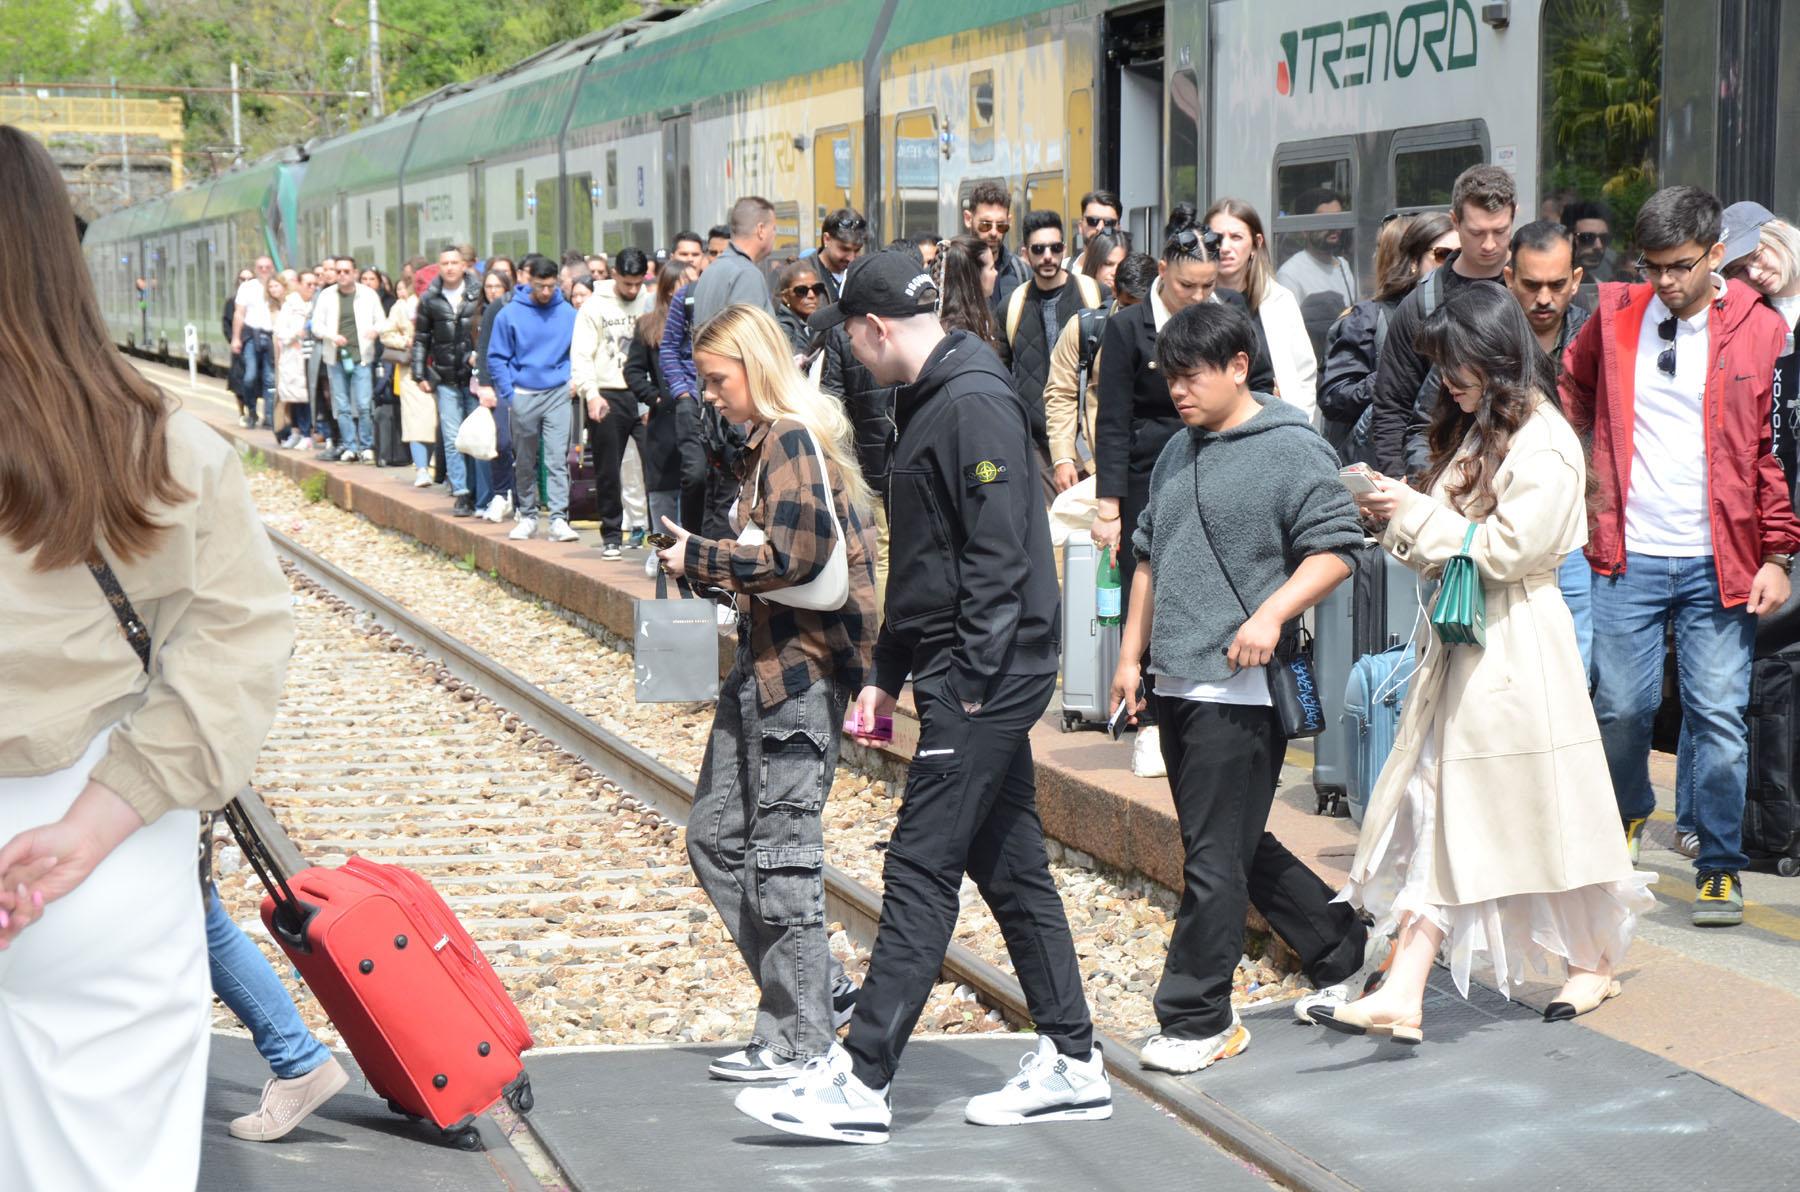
x=647, y=1118
x=351, y=1143
x=1498, y=1099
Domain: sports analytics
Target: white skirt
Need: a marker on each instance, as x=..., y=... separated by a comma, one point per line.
x=105, y=1009
x=1547, y=933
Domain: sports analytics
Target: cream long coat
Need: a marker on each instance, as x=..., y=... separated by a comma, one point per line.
x=1526, y=801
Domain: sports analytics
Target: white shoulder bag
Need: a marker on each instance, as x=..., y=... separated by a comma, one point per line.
x=827, y=591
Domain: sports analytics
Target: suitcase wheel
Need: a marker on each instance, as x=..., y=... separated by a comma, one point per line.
x=1788, y=866
x=521, y=1098
x=1070, y=721
x=1331, y=803
x=465, y=1139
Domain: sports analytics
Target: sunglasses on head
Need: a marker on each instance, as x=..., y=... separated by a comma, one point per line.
x=1002, y=226
x=1442, y=253
x=1054, y=248
x=854, y=224
x=1188, y=242
x=812, y=291
x=1665, y=359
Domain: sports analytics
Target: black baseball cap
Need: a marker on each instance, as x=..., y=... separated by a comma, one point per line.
x=889, y=283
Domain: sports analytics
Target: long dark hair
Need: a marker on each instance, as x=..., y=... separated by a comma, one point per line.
x=1481, y=335
x=98, y=463
x=1397, y=261
x=965, y=307
x=1099, y=247
x=650, y=324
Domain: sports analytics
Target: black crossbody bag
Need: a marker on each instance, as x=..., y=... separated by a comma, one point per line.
x=1292, y=688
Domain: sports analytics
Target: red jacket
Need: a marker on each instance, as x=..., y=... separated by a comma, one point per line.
x=1750, y=514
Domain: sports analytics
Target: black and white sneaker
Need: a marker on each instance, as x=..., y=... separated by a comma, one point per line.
x=1050, y=1087
x=753, y=1063
x=826, y=1102
x=844, y=993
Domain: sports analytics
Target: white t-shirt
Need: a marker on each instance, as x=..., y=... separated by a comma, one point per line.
x=1249, y=687
x=1305, y=274
x=1790, y=312
x=1666, y=511
x=454, y=297
x=253, y=300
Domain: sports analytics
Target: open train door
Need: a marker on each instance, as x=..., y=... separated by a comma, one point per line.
x=1133, y=154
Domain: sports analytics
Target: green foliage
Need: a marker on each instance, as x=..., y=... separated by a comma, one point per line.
x=313, y=488
x=1603, y=100
x=466, y=563
x=254, y=462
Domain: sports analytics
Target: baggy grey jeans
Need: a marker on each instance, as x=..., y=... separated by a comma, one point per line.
x=544, y=415
x=756, y=842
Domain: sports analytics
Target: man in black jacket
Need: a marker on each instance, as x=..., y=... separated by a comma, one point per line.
x=443, y=339
x=972, y=614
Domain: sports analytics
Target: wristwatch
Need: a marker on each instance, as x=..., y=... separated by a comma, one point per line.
x=1785, y=562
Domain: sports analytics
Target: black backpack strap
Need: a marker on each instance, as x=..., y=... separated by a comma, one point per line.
x=129, y=621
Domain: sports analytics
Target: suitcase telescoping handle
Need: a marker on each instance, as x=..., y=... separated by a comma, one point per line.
x=292, y=914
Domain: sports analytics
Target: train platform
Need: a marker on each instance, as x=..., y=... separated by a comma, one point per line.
x=1715, y=1005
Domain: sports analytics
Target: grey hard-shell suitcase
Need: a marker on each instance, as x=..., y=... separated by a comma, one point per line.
x=1090, y=649
x=1375, y=609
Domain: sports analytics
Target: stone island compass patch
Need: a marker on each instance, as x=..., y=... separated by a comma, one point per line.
x=988, y=471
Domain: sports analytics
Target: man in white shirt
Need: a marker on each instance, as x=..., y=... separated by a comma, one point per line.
x=253, y=334
x=603, y=330
x=347, y=319
x=1317, y=269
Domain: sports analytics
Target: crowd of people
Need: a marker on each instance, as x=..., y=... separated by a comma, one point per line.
x=858, y=451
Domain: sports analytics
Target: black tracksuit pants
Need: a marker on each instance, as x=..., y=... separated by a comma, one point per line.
x=1224, y=761
x=970, y=806
x=606, y=443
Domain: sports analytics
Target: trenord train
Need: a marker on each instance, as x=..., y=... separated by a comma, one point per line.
x=900, y=108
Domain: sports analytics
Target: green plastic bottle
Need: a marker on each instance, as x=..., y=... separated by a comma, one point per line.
x=1108, y=599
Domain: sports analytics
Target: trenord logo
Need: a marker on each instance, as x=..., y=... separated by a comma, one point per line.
x=1375, y=48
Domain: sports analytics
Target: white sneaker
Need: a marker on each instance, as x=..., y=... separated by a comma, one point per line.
x=422, y=478
x=1377, y=952
x=1146, y=753
x=1164, y=1053
x=1332, y=995
x=610, y=551
x=562, y=531
x=347, y=455
x=526, y=528
x=754, y=1063
x=1049, y=1088
x=305, y=443
x=826, y=1101
x=498, y=509
x=368, y=457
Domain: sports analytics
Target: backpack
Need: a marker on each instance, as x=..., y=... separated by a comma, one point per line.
x=1356, y=447
x=1090, y=322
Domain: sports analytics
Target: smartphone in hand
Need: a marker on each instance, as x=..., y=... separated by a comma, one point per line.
x=1359, y=479
x=1116, y=725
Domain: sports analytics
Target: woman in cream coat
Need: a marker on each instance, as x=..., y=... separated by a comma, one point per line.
x=418, y=409
x=1492, y=829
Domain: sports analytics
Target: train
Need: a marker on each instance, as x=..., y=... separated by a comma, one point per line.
x=901, y=109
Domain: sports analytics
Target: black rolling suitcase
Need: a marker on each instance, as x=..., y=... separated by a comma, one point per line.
x=391, y=450
x=584, y=484
x=1772, y=804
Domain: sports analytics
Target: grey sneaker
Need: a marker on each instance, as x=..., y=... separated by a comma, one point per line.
x=561, y=531
x=286, y=1103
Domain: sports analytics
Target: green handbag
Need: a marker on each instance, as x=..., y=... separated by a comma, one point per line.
x=1459, y=614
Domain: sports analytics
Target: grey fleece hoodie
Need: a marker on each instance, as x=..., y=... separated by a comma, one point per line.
x=1272, y=498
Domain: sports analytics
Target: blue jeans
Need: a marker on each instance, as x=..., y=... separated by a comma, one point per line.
x=1714, y=647
x=1576, y=579
x=259, y=373
x=250, y=989
x=352, y=404
x=454, y=405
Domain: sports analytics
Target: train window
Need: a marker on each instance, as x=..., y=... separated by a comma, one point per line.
x=1426, y=162
x=1315, y=226
x=1046, y=192
x=612, y=179
x=981, y=116
x=916, y=171
x=1600, y=105
x=1184, y=137
x=787, y=225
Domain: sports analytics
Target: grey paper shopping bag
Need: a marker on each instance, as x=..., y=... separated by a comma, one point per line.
x=676, y=647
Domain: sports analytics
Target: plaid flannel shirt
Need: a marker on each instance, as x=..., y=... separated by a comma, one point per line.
x=794, y=647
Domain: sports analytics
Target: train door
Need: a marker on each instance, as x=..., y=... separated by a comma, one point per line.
x=678, y=178
x=1134, y=118
x=837, y=167
x=478, y=208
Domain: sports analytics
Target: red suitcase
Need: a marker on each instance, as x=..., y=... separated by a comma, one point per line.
x=417, y=1003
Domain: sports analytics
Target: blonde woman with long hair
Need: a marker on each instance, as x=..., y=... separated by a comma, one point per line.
x=755, y=837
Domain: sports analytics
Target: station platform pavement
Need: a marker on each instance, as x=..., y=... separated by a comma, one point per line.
x=1719, y=1003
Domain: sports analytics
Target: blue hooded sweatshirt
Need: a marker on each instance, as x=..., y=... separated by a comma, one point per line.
x=530, y=344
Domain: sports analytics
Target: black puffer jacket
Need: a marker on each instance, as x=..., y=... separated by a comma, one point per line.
x=443, y=339
x=869, y=404
x=799, y=335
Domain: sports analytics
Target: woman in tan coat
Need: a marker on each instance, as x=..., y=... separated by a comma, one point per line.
x=1492, y=829
x=106, y=761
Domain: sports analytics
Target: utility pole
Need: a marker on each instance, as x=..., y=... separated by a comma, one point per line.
x=237, y=126
x=375, y=96
x=124, y=141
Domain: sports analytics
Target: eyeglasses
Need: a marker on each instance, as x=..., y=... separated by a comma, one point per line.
x=1591, y=239
x=1099, y=221
x=1676, y=272
x=1442, y=253
x=1665, y=360
x=814, y=291
x=1002, y=226
x=1053, y=248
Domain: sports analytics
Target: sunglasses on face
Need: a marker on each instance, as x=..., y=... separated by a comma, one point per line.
x=1665, y=359
x=1099, y=221
x=1053, y=248
x=1589, y=239
x=813, y=291
x=1002, y=226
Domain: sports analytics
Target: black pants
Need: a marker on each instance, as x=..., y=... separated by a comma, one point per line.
x=970, y=806
x=1224, y=761
x=606, y=442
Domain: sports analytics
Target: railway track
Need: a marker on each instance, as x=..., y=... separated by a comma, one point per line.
x=559, y=843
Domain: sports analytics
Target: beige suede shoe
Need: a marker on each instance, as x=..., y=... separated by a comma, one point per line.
x=286, y=1103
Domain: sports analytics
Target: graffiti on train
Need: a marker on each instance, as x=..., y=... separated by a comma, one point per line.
x=1441, y=35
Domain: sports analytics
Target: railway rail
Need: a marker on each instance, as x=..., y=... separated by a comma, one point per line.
x=558, y=886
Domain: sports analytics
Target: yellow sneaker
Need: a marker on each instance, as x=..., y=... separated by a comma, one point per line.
x=1634, y=837
x=1721, y=900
